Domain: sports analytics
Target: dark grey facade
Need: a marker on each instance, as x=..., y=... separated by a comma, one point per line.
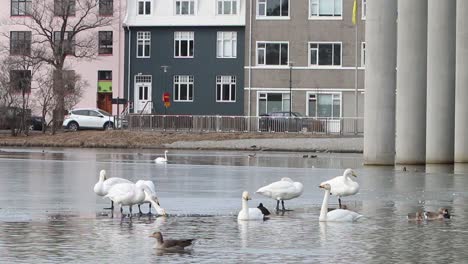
x=204, y=67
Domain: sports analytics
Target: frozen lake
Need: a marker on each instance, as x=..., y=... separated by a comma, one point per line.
x=50, y=214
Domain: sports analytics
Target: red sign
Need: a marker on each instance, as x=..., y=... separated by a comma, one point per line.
x=166, y=97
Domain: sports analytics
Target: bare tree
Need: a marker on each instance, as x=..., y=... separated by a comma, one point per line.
x=61, y=29
x=47, y=99
x=15, y=87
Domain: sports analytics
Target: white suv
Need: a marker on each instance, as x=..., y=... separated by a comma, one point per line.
x=88, y=118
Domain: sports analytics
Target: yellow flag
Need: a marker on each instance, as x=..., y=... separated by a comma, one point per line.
x=354, y=12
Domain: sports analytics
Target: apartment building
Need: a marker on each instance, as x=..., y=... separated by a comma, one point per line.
x=103, y=73
x=190, y=52
x=304, y=52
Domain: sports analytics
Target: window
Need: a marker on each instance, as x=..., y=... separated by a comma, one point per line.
x=183, y=44
x=104, y=81
x=325, y=54
x=227, y=45
x=64, y=7
x=363, y=9
x=144, y=7
x=325, y=8
x=225, y=88
x=273, y=102
x=105, y=42
x=324, y=105
x=104, y=75
x=20, y=7
x=272, y=8
x=106, y=7
x=64, y=42
x=363, y=54
x=21, y=80
x=143, y=44
x=272, y=53
x=185, y=7
x=20, y=42
x=227, y=7
x=183, y=88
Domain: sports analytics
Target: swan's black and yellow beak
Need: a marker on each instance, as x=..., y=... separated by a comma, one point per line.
x=354, y=174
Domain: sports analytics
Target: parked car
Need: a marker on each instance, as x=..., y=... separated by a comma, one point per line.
x=88, y=118
x=281, y=122
x=36, y=123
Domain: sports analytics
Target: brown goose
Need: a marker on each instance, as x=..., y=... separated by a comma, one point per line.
x=170, y=244
x=418, y=216
x=443, y=213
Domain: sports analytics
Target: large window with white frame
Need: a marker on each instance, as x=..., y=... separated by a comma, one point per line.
x=183, y=88
x=183, y=44
x=363, y=54
x=144, y=7
x=227, y=7
x=225, y=89
x=272, y=8
x=272, y=53
x=363, y=9
x=273, y=102
x=143, y=44
x=325, y=54
x=324, y=105
x=185, y=7
x=325, y=8
x=226, y=44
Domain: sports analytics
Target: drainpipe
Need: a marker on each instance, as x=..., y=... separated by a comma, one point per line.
x=128, y=65
x=250, y=60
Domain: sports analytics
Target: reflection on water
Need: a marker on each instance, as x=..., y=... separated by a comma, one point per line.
x=49, y=213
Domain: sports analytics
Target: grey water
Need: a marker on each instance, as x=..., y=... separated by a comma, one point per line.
x=50, y=214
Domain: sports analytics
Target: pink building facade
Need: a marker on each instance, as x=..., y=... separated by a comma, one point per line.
x=103, y=73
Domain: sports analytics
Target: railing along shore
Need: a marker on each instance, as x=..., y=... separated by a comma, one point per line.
x=266, y=124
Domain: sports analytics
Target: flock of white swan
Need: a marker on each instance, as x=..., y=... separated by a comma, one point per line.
x=126, y=193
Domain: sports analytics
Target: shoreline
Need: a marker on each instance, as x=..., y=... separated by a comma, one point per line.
x=189, y=141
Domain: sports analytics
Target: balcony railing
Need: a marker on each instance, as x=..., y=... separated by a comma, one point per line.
x=266, y=124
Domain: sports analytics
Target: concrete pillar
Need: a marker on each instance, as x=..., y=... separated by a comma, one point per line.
x=380, y=81
x=440, y=81
x=461, y=83
x=411, y=82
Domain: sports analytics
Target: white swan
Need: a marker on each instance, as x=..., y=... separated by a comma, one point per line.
x=337, y=215
x=102, y=187
x=162, y=159
x=249, y=213
x=343, y=185
x=285, y=189
x=151, y=190
x=130, y=194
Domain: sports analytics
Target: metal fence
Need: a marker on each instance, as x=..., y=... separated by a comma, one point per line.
x=198, y=123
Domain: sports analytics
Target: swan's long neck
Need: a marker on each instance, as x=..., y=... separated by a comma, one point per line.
x=245, y=206
x=324, y=210
x=165, y=155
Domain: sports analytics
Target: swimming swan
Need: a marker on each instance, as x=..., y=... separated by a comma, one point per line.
x=285, y=189
x=249, y=213
x=129, y=194
x=102, y=187
x=162, y=159
x=337, y=215
x=171, y=244
x=343, y=185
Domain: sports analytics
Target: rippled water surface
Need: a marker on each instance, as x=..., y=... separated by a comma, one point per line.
x=50, y=214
